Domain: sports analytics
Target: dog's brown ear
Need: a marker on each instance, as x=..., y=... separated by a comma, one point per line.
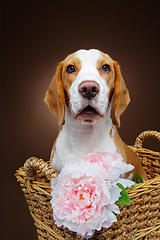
x=121, y=96
x=55, y=97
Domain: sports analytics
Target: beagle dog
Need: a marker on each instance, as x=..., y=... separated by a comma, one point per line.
x=88, y=96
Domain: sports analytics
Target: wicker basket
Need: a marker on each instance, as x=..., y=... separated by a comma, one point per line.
x=139, y=220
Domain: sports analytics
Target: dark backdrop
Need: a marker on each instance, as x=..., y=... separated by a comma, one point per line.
x=35, y=36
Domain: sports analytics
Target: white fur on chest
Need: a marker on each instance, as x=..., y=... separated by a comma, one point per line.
x=76, y=139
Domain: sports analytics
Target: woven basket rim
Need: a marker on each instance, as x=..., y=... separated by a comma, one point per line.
x=140, y=188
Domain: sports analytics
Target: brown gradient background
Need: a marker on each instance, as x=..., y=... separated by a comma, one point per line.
x=36, y=35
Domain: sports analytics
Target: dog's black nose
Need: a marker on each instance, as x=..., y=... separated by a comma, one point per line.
x=88, y=89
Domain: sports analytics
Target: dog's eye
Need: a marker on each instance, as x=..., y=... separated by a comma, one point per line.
x=71, y=69
x=106, y=68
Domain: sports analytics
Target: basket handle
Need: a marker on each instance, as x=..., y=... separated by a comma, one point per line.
x=33, y=165
x=141, y=137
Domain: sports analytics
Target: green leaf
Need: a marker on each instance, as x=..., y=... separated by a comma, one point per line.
x=124, y=199
x=138, y=178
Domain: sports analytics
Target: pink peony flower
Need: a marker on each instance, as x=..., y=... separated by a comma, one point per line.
x=84, y=193
x=112, y=163
x=82, y=201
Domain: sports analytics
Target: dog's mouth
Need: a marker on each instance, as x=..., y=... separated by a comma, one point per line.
x=88, y=115
x=89, y=111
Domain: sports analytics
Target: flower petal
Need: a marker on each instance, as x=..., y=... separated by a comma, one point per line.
x=125, y=182
x=115, y=194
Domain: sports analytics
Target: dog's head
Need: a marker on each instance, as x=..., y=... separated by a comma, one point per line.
x=87, y=82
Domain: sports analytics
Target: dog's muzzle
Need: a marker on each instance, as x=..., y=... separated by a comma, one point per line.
x=88, y=90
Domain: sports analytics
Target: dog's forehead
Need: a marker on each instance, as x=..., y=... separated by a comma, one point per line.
x=89, y=57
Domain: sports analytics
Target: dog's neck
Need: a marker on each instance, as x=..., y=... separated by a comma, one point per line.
x=77, y=139
x=85, y=138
